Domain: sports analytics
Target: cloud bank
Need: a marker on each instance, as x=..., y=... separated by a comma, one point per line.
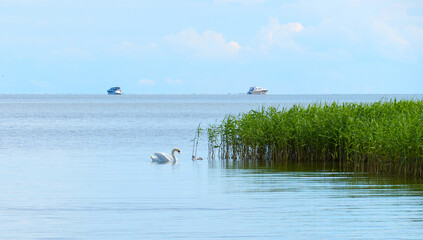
x=208, y=44
x=276, y=35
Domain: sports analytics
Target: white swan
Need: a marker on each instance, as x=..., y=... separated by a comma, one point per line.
x=164, y=157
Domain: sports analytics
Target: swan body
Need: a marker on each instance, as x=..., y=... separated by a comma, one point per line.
x=164, y=157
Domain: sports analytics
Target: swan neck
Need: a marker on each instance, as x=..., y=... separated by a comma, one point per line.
x=173, y=155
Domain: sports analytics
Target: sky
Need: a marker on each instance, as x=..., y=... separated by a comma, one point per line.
x=211, y=46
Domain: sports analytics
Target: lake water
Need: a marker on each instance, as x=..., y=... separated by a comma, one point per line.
x=78, y=167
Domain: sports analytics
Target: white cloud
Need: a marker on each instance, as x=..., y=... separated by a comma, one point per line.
x=389, y=25
x=209, y=44
x=146, y=82
x=173, y=81
x=389, y=34
x=276, y=35
x=415, y=35
x=389, y=28
x=398, y=34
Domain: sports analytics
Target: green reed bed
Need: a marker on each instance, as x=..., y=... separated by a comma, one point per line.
x=384, y=137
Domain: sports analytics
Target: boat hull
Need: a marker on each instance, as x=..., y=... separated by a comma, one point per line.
x=114, y=93
x=257, y=91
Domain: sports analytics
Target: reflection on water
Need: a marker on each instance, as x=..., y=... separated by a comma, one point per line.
x=165, y=163
x=332, y=205
x=324, y=171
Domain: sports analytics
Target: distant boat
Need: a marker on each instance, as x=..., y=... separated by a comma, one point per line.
x=257, y=91
x=114, y=91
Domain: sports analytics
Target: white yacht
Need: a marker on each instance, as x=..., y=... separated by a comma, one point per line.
x=257, y=90
x=114, y=91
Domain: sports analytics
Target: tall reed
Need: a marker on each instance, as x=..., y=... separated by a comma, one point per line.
x=194, y=141
x=384, y=137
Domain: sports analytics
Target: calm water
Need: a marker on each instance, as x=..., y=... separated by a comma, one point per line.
x=78, y=167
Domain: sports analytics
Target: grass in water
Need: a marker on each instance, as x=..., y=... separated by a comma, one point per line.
x=194, y=141
x=385, y=137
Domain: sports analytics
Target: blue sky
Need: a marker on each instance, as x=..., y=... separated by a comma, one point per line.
x=211, y=46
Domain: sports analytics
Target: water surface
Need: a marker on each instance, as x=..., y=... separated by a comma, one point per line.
x=78, y=167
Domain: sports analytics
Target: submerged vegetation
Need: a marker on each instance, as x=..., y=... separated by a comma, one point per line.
x=384, y=137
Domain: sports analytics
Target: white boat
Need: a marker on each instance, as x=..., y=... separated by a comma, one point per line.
x=257, y=90
x=114, y=91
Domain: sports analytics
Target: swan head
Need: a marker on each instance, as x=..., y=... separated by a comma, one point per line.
x=176, y=150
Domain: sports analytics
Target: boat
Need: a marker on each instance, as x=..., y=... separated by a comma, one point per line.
x=257, y=91
x=114, y=91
